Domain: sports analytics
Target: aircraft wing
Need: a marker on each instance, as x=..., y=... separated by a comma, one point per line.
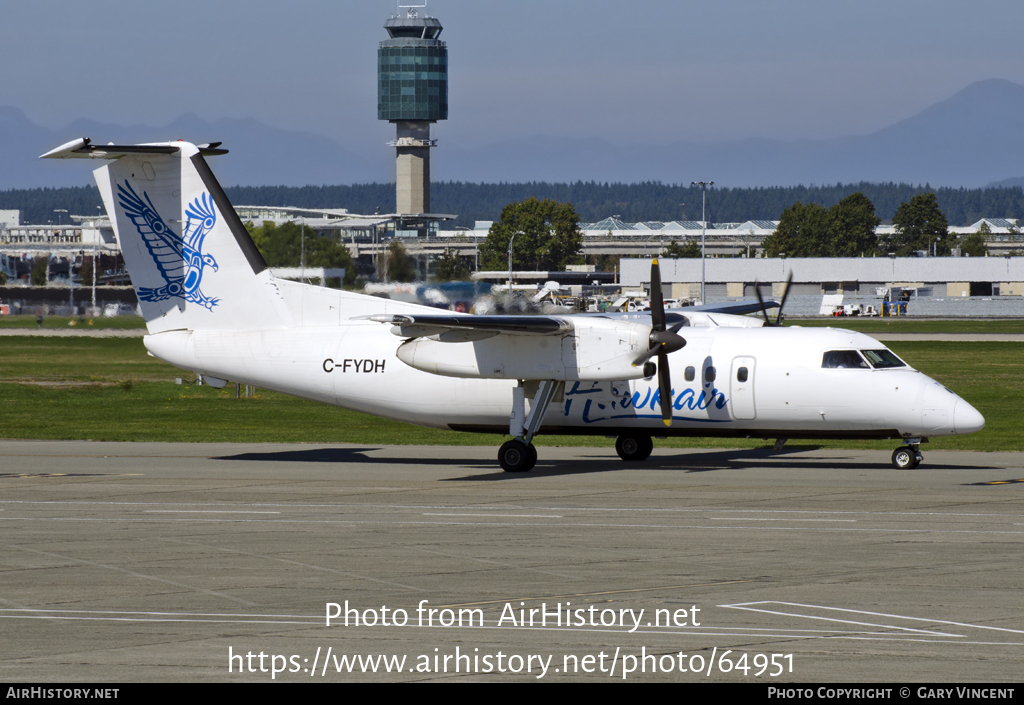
x=465, y=328
x=468, y=327
x=735, y=308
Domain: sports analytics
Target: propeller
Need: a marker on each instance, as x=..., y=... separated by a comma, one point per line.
x=785, y=295
x=662, y=342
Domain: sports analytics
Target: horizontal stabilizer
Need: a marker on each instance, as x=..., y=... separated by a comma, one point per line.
x=83, y=148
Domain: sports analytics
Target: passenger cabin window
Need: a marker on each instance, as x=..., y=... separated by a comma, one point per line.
x=882, y=359
x=741, y=374
x=689, y=374
x=709, y=375
x=843, y=359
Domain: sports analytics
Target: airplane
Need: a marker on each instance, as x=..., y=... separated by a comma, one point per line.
x=213, y=306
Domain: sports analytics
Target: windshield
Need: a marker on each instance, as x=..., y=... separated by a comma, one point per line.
x=881, y=359
x=843, y=360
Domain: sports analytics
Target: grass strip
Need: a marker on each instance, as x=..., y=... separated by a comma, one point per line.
x=109, y=389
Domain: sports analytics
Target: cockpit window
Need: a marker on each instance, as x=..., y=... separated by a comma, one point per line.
x=882, y=359
x=843, y=359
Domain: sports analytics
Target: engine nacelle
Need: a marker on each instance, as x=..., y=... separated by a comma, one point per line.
x=596, y=349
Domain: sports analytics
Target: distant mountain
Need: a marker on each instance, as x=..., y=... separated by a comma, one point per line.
x=258, y=154
x=1008, y=183
x=971, y=139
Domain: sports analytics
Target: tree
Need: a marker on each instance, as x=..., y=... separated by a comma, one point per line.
x=847, y=229
x=605, y=263
x=799, y=232
x=918, y=223
x=688, y=251
x=450, y=267
x=38, y=276
x=283, y=245
x=399, y=267
x=974, y=244
x=85, y=271
x=851, y=228
x=546, y=236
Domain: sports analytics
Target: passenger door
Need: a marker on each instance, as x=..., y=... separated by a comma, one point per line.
x=741, y=388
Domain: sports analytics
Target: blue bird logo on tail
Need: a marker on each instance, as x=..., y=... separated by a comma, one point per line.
x=179, y=258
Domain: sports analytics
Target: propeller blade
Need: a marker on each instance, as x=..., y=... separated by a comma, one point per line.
x=657, y=300
x=644, y=357
x=764, y=311
x=665, y=389
x=785, y=294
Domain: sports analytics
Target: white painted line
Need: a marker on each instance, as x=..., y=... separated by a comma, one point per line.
x=709, y=632
x=515, y=516
x=163, y=614
x=66, y=618
x=639, y=510
x=356, y=522
x=287, y=561
x=744, y=605
x=840, y=621
x=206, y=511
x=852, y=521
x=135, y=574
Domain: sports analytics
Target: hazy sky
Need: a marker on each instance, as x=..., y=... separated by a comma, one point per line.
x=637, y=71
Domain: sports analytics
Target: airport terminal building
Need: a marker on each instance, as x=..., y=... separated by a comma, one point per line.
x=930, y=276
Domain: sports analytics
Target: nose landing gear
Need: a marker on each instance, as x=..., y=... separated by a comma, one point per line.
x=519, y=454
x=907, y=457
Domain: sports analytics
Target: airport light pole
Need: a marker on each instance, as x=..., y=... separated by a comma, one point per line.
x=510, y=240
x=703, y=230
x=94, y=263
x=95, y=251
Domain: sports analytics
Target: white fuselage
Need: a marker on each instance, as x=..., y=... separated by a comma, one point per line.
x=785, y=391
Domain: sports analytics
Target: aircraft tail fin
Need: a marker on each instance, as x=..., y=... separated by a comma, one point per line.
x=191, y=260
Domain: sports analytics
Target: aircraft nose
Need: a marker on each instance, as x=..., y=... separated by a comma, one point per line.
x=966, y=418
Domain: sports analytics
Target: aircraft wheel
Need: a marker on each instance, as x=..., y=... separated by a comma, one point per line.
x=533, y=456
x=515, y=456
x=905, y=458
x=634, y=447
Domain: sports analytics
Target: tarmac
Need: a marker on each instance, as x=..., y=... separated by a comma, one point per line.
x=140, y=562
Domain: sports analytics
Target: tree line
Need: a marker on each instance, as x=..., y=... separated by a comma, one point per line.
x=847, y=229
x=649, y=201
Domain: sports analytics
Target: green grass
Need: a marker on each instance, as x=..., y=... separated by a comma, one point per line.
x=64, y=322
x=909, y=325
x=80, y=359
x=109, y=389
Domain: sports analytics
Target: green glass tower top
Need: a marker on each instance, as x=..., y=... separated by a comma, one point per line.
x=412, y=71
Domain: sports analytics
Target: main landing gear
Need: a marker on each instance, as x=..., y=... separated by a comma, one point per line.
x=634, y=446
x=519, y=454
x=909, y=456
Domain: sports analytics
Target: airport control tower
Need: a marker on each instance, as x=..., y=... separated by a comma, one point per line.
x=412, y=92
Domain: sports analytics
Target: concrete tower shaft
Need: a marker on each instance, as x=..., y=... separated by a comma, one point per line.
x=412, y=92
